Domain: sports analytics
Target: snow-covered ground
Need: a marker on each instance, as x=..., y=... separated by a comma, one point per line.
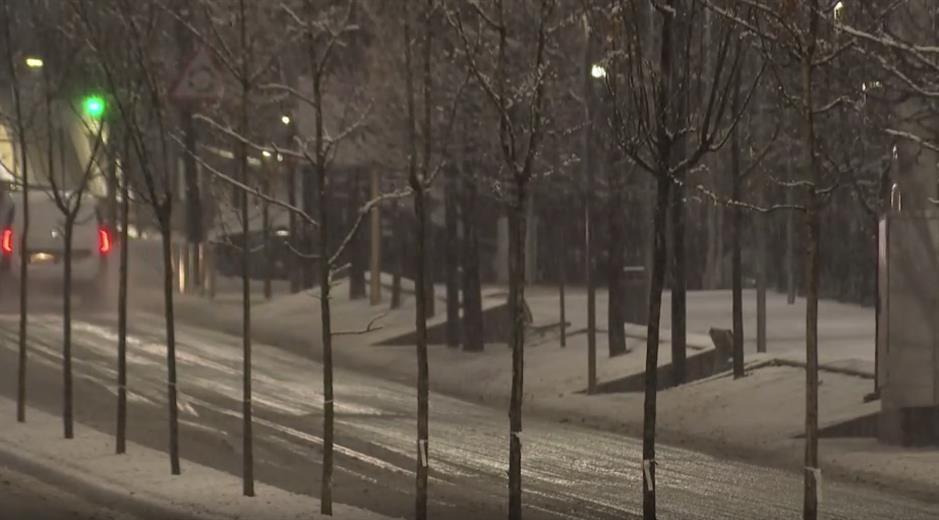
x=137, y=483
x=758, y=417
x=24, y=496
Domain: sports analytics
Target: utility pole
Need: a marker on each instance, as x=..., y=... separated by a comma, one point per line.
x=588, y=211
x=267, y=171
x=194, y=228
x=290, y=179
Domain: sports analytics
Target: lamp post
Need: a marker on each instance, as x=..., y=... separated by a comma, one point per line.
x=592, y=72
x=267, y=169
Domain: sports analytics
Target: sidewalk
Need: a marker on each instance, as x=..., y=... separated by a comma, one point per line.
x=138, y=484
x=23, y=496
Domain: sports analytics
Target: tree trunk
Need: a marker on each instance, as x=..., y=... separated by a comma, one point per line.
x=453, y=262
x=247, y=437
x=67, y=331
x=711, y=262
x=812, y=471
x=431, y=304
x=326, y=490
x=122, y=312
x=737, y=233
x=561, y=247
x=760, y=225
x=518, y=228
x=308, y=269
x=877, y=307
x=20, y=130
x=356, y=257
x=266, y=230
x=399, y=255
x=420, y=507
x=737, y=279
x=676, y=114
x=790, y=243
x=810, y=511
x=472, y=288
x=660, y=257
x=374, y=247
x=166, y=233
x=112, y=190
x=616, y=321
x=294, y=263
x=24, y=263
x=562, y=279
x=423, y=288
x=679, y=284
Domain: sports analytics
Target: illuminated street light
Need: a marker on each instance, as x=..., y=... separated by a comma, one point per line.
x=839, y=9
x=285, y=120
x=598, y=72
x=34, y=62
x=266, y=154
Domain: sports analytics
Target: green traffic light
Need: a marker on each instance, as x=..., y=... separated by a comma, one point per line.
x=94, y=106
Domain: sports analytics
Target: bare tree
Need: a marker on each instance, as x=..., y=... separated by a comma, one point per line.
x=121, y=429
x=68, y=195
x=520, y=133
x=800, y=35
x=141, y=29
x=653, y=127
x=472, y=324
x=21, y=127
x=416, y=181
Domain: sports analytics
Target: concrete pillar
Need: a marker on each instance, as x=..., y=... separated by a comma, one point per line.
x=909, y=353
x=501, y=259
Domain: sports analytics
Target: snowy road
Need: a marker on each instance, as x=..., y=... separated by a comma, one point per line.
x=569, y=472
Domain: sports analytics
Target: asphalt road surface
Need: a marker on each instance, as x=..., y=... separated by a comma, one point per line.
x=569, y=472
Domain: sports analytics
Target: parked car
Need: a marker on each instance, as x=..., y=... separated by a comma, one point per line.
x=92, y=243
x=228, y=254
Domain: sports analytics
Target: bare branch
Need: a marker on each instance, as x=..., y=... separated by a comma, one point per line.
x=248, y=189
x=368, y=328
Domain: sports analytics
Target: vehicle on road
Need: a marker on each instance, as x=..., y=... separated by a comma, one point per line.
x=228, y=254
x=92, y=243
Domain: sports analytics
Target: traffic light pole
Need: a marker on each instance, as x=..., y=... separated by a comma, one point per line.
x=194, y=228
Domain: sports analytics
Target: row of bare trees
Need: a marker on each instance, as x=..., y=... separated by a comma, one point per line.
x=688, y=105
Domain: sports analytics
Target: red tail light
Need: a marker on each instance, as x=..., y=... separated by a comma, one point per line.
x=6, y=242
x=104, y=240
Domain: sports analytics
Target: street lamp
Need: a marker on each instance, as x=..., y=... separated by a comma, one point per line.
x=598, y=72
x=285, y=119
x=34, y=62
x=266, y=154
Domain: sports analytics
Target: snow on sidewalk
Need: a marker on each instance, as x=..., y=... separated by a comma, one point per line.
x=24, y=496
x=140, y=479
